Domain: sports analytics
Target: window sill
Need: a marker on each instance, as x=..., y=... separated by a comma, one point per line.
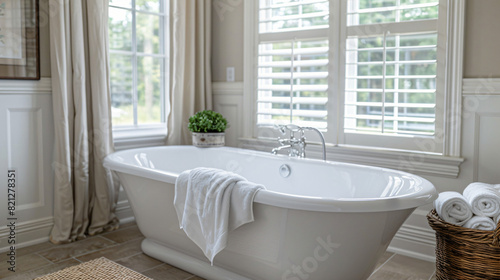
x=133, y=137
x=410, y=161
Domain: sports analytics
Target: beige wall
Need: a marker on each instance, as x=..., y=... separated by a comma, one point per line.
x=481, y=54
x=227, y=39
x=482, y=26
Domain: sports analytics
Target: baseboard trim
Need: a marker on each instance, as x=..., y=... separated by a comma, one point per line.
x=25, y=227
x=417, y=235
x=412, y=254
x=124, y=212
x=34, y=232
x=415, y=242
x=37, y=231
x=127, y=220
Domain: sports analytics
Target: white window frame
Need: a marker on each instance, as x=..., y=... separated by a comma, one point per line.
x=447, y=136
x=137, y=135
x=402, y=142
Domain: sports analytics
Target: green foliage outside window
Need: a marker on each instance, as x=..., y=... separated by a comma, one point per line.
x=137, y=60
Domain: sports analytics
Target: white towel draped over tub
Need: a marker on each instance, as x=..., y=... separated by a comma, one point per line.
x=483, y=199
x=210, y=203
x=453, y=208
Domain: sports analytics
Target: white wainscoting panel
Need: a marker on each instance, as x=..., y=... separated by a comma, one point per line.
x=24, y=135
x=26, y=145
x=228, y=100
x=487, y=158
x=482, y=123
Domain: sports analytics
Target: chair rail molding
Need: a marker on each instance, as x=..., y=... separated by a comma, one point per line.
x=481, y=86
x=227, y=88
x=42, y=86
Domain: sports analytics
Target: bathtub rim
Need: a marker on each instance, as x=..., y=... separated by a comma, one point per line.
x=290, y=201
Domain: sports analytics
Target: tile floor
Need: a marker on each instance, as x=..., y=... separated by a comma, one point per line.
x=123, y=247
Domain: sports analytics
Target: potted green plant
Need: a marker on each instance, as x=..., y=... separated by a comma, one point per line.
x=208, y=129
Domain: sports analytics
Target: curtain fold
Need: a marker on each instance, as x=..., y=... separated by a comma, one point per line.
x=190, y=76
x=85, y=194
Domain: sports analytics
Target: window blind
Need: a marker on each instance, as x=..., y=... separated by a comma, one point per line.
x=292, y=66
x=391, y=67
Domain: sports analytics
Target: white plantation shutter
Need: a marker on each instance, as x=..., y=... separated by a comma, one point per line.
x=365, y=72
x=391, y=67
x=292, y=66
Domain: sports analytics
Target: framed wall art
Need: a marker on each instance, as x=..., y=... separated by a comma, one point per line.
x=19, y=42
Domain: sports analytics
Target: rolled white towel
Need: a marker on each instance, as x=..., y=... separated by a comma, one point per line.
x=482, y=223
x=483, y=199
x=496, y=187
x=453, y=208
x=496, y=219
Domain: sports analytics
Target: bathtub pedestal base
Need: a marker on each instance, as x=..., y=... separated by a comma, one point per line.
x=188, y=263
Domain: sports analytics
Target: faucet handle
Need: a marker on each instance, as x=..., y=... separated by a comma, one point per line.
x=280, y=128
x=293, y=127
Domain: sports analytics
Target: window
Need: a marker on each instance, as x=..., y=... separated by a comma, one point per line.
x=138, y=62
x=365, y=72
x=391, y=70
x=292, y=63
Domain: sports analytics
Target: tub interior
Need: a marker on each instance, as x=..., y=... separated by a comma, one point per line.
x=311, y=178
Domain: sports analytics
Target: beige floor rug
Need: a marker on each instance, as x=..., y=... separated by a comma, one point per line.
x=98, y=269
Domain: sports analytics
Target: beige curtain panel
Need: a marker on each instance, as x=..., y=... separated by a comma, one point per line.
x=85, y=194
x=190, y=78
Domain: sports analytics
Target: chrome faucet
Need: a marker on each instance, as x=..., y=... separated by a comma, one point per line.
x=296, y=146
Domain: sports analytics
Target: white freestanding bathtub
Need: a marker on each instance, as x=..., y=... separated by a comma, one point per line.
x=325, y=220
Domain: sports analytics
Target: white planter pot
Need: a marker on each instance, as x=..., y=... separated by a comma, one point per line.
x=206, y=140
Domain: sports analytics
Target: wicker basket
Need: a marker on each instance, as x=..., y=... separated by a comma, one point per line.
x=463, y=253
